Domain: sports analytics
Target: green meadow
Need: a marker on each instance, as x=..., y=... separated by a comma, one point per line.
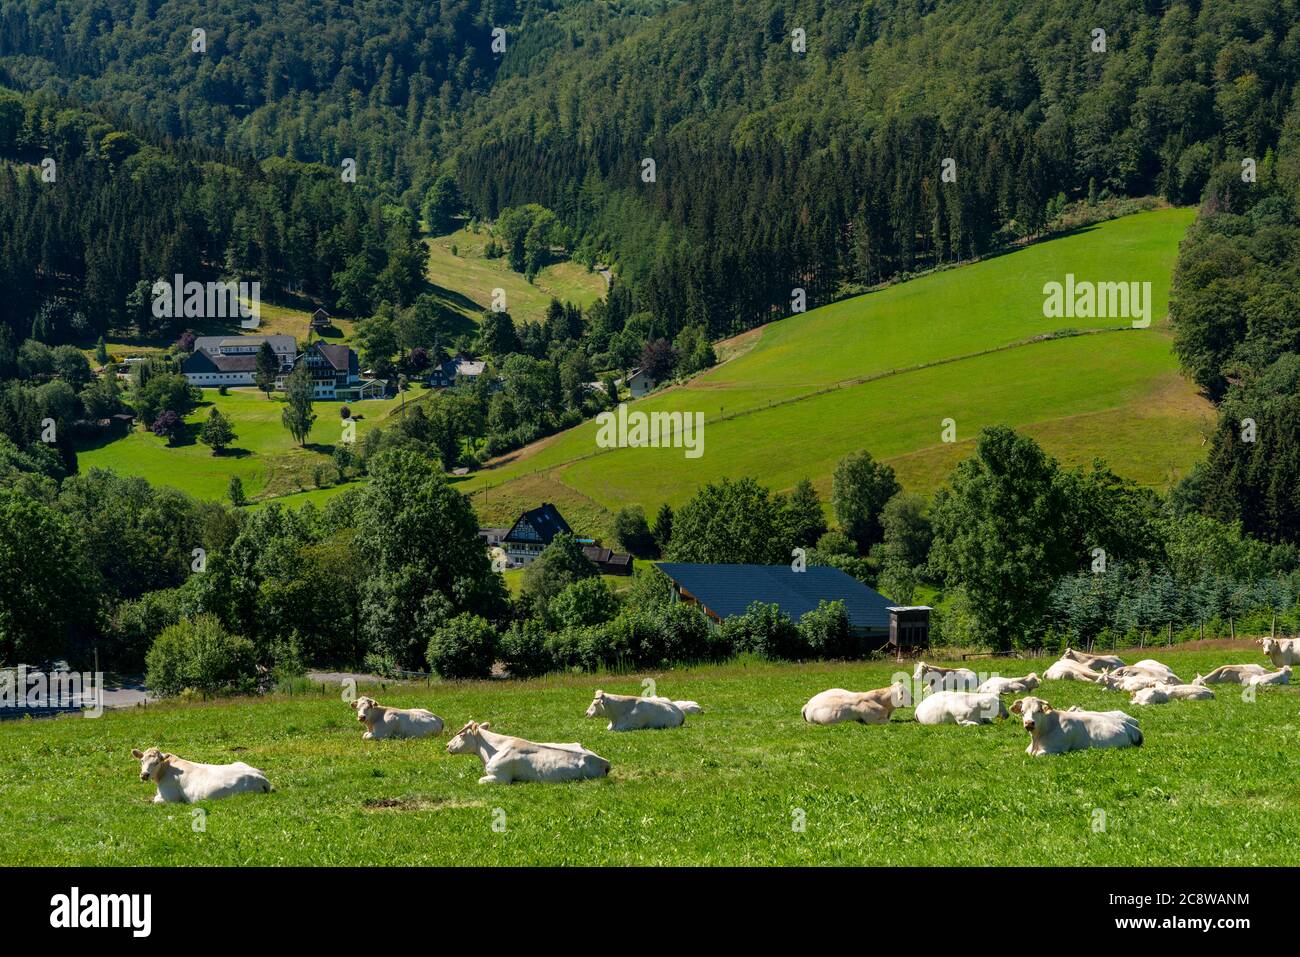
x=264, y=456
x=464, y=279
x=884, y=370
x=1213, y=784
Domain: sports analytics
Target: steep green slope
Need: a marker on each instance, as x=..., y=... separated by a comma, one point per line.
x=882, y=371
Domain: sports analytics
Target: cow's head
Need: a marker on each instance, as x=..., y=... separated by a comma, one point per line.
x=152, y=763
x=597, y=708
x=1268, y=644
x=1032, y=680
x=363, y=706
x=467, y=739
x=1034, y=712
x=901, y=694
x=918, y=674
x=1108, y=680
x=1199, y=680
x=1071, y=654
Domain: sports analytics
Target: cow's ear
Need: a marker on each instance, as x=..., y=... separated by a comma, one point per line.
x=137, y=753
x=599, y=693
x=1016, y=708
x=1046, y=707
x=485, y=724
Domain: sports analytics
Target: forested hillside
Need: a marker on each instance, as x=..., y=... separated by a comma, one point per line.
x=774, y=168
x=381, y=81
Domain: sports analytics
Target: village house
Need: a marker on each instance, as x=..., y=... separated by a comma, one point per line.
x=335, y=373
x=232, y=360
x=640, y=384
x=457, y=371
x=535, y=529
x=320, y=320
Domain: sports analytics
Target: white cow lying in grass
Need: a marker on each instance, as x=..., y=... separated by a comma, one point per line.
x=631, y=713
x=1281, y=651
x=1095, y=662
x=382, y=722
x=1280, y=677
x=1153, y=695
x=867, y=707
x=1055, y=732
x=1000, y=686
x=1067, y=669
x=1129, y=683
x=184, y=782
x=1164, y=693
x=947, y=679
x=965, y=708
x=506, y=759
x=1230, y=675
x=1148, y=666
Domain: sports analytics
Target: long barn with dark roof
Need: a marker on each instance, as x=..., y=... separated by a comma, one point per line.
x=722, y=591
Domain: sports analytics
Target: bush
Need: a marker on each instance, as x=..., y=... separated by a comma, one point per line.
x=825, y=631
x=465, y=647
x=523, y=650
x=588, y=601
x=135, y=625
x=677, y=634
x=199, y=654
x=766, y=631
x=589, y=649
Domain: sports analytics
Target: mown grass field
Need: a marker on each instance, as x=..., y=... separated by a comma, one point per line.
x=464, y=279
x=1213, y=785
x=882, y=371
x=264, y=456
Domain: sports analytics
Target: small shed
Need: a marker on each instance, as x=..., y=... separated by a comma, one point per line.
x=909, y=627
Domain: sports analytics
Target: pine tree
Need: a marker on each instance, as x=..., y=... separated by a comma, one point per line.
x=268, y=367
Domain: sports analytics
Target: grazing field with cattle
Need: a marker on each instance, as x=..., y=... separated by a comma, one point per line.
x=747, y=782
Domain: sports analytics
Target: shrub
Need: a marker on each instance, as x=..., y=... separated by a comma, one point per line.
x=136, y=624
x=523, y=650
x=767, y=631
x=200, y=654
x=687, y=636
x=825, y=631
x=588, y=601
x=590, y=648
x=465, y=647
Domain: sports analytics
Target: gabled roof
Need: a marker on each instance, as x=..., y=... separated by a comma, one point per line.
x=201, y=360
x=214, y=343
x=726, y=590
x=546, y=520
x=340, y=357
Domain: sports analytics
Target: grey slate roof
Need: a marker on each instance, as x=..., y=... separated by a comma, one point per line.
x=281, y=344
x=728, y=590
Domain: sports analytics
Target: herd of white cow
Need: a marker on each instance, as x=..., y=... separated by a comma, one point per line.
x=948, y=696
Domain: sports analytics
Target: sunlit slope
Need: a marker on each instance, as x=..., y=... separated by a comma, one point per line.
x=882, y=371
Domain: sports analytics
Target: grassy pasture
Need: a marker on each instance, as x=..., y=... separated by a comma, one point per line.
x=464, y=280
x=883, y=370
x=264, y=455
x=1213, y=785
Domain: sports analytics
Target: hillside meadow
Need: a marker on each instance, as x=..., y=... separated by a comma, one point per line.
x=264, y=456
x=464, y=278
x=884, y=370
x=1214, y=783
